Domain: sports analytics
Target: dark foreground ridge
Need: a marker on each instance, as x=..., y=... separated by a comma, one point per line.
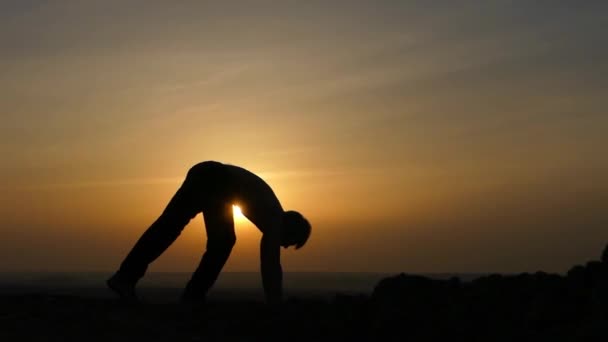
x=523, y=307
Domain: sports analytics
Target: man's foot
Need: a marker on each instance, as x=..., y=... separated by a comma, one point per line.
x=192, y=301
x=124, y=289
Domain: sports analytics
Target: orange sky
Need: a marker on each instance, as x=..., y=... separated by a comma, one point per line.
x=416, y=138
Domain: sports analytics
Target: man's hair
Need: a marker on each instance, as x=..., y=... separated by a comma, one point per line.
x=297, y=227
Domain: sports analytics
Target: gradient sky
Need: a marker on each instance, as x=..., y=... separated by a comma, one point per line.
x=416, y=136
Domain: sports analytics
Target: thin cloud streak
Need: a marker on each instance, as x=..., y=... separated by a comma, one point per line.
x=103, y=184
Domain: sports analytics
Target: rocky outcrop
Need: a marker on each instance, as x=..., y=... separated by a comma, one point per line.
x=495, y=307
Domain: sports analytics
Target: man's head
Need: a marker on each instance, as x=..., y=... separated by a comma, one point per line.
x=296, y=229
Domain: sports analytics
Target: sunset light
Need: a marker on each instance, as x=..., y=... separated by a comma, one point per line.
x=380, y=153
x=238, y=214
x=414, y=136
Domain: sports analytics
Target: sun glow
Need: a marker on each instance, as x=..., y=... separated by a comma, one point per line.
x=238, y=214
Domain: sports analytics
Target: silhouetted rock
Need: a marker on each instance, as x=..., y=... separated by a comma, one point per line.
x=420, y=305
x=605, y=255
x=596, y=270
x=577, y=272
x=541, y=306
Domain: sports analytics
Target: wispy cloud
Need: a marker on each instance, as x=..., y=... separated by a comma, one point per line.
x=82, y=184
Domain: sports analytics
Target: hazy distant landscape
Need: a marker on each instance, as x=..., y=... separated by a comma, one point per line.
x=166, y=286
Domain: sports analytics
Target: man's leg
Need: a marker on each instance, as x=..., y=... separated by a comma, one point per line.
x=219, y=224
x=155, y=240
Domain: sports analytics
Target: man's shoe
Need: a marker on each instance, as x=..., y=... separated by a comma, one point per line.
x=125, y=290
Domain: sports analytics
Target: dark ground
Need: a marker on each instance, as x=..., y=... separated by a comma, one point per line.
x=524, y=307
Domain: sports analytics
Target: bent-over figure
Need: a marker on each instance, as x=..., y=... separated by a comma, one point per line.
x=212, y=188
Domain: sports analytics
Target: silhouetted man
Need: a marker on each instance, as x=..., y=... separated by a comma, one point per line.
x=212, y=188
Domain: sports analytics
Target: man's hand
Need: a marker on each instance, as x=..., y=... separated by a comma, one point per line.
x=274, y=307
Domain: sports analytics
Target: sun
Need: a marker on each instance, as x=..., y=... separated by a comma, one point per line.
x=238, y=214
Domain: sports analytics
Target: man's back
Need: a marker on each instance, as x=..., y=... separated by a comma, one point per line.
x=254, y=196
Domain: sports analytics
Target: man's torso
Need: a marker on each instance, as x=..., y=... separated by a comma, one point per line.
x=238, y=186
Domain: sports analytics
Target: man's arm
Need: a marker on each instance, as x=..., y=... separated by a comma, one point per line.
x=272, y=273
